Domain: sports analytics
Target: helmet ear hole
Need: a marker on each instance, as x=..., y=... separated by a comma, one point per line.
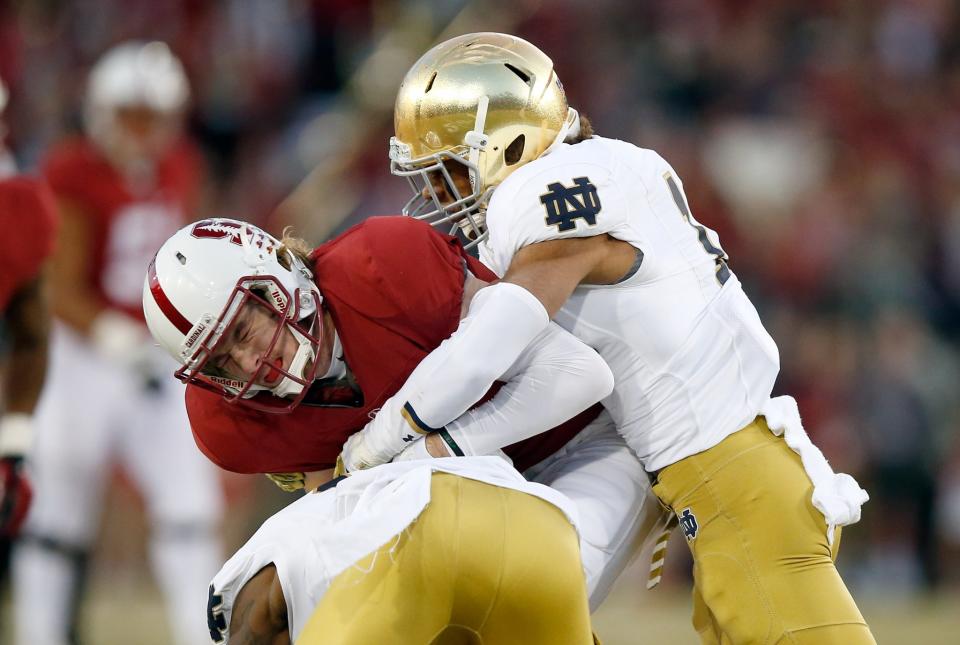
x=514, y=151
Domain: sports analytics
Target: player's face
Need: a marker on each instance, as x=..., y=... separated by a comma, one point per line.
x=249, y=349
x=143, y=133
x=460, y=178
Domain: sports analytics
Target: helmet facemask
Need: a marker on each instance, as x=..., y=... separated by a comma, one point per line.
x=211, y=339
x=437, y=199
x=427, y=174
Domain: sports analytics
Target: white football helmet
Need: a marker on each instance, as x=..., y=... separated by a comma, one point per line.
x=200, y=280
x=133, y=74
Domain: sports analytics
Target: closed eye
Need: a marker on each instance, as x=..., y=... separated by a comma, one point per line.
x=239, y=335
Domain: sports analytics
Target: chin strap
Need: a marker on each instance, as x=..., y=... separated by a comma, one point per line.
x=477, y=140
x=568, y=131
x=338, y=367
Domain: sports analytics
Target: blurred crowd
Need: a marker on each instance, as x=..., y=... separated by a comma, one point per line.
x=820, y=138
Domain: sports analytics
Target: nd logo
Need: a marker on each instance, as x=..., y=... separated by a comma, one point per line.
x=565, y=205
x=688, y=524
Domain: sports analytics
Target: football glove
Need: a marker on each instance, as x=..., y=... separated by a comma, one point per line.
x=289, y=482
x=381, y=439
x=15, y=495
x=16, y=433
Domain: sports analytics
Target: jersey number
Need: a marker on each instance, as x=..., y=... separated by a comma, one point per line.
x=723, y=271
x=566, y=205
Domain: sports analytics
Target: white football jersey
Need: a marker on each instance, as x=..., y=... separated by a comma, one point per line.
x=322, y=534
x=690, y=357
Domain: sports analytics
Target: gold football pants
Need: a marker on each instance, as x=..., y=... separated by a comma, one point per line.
x=763, y=571
x=481, y=565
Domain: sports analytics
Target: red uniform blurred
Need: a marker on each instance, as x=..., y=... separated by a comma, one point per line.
x=394, y=288
x=28, y=219
x=126, y=224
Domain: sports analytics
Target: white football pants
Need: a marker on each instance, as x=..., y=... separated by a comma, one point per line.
x=619, y=515
x=92, y=414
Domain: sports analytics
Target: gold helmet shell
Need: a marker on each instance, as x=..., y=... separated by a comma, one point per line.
x=489, y=101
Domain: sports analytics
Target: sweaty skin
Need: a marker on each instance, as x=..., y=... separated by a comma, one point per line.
x=551, y=270
x=259, y=614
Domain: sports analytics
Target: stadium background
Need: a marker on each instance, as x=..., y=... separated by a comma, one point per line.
x=820, y=138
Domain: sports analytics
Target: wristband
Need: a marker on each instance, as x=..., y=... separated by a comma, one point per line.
x=16, y=434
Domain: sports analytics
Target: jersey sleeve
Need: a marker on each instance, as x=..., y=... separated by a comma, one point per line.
x=555, y=378
x=551, y=200
x=28, y=218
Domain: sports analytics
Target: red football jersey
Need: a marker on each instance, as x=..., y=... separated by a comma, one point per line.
x=393, y=286
x=127, y=223
x=28, y=221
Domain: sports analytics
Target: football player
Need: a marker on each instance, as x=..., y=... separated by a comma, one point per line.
x=597, y=234
x=121, y=190
x=261, y=326
x=457, y=550
x=28, y=218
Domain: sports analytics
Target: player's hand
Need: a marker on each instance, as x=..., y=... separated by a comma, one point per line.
x=15, y=495
x=380, y=441
x=358, y=455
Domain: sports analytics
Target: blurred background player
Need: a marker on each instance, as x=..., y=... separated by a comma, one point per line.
x=28, y=218
x=121, y=190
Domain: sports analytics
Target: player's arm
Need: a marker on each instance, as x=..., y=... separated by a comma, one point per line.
x=506, y=317
x=551, y=270
x=112, y=333
x=74, y=302
x=555, y=378
x=26, y=321
x=259, y=615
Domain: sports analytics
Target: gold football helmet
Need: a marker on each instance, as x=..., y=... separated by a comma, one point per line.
x=477, y=106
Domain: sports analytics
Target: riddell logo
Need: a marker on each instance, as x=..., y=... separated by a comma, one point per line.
x=195, y=335
x=228, y=382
